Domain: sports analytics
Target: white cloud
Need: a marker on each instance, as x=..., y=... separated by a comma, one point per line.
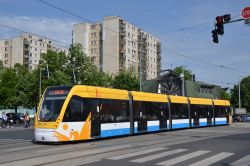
x=57, y=29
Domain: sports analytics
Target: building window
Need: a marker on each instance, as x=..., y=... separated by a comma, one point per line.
x=30, y=41
x=35, y=49
x=128, y=34
x=93, y=42
x=6, y=55
x=93, y=34
x=6, y=49
x=93, y=26
x=35, y=42
x=6, y=42
x=30, y=54
x=6, y=62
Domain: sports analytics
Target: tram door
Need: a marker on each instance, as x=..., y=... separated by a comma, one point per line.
x=95, y=122
x=209, y=117
x=227, y=113
x=163, y=119
x=196, y=119
x=142, y=122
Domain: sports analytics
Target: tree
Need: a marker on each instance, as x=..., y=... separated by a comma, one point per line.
x=53, y=69
x=127, y=81
x=1, y=66
x=8, y=83
x=225, y=95
x=187, y=73
x=244, y=93
x=28, y=89
x=81, y=67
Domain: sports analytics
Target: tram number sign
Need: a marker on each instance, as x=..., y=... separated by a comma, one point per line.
x=246, y=13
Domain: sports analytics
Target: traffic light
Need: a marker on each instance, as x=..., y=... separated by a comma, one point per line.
x=227, y=18
x=219, y=25
x=215, y=36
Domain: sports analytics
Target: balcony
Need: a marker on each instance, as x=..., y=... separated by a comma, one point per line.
x=122, y=42
x=122, y=50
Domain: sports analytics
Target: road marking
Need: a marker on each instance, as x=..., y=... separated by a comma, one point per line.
x=156, y=156
x=88, y=162
x=244, y=161
x=135, y=154
x=213, y=159
x=38, y=160
x=183, y=158
x=13, y=140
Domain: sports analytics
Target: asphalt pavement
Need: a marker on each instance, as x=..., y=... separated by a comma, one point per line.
x=223, y=145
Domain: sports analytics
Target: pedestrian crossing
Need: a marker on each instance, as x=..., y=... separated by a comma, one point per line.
x=11, y=145
x=164, y=156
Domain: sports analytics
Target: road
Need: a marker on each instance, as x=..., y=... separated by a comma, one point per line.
x=224, y=145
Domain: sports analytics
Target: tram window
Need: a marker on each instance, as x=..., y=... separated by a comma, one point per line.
x=79, y=108
x=74, y=110
x=139, y=110
x=114, y=110
x=221, y=111
x=179, y=111
x=149, y=110
x=200, y=110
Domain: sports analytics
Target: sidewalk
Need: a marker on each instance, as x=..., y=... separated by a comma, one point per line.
x=241, y=124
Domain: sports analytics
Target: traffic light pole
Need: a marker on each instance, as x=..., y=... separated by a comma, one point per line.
x=219, y=26
x=241, y=19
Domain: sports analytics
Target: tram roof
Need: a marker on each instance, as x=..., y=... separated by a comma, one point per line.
x=143, y=96
x=99, y=92
x=178, y=99
x=200, y=101
x=221, y=102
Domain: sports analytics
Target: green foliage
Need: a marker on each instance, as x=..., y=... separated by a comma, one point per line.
x=9, y=79
x=127, y=81
x=1, y=66
x=84, y=69
x=244, y=92
x=225, y=95
x=20, y=87
x=187, y=73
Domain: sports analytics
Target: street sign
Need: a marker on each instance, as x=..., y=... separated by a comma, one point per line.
x=246, y=13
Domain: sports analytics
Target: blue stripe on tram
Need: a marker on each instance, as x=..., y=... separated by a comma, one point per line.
x=180, y=125
x=114, y=132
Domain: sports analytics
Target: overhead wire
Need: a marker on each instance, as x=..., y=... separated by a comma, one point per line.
x=181, y=29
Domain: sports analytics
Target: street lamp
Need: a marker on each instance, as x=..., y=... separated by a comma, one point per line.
x=239, y=89
x=183, y=80
x=40, y=75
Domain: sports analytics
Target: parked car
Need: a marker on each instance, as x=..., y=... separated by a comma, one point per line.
x=17, y=118
x=248, y=118
x=236, y=118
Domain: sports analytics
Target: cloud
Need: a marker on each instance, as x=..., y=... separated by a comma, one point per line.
x=51, y=28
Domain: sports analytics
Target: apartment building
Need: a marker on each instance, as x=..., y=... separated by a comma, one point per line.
x=26, y=50
x=115, y=45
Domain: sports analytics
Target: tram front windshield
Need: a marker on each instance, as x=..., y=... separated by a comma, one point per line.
x=52, y=105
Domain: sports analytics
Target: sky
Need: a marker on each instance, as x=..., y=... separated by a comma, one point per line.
x=183, y=26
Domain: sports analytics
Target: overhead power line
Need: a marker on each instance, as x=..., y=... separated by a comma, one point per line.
x=206, y=62
x=181, y=29
x=20, y=30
